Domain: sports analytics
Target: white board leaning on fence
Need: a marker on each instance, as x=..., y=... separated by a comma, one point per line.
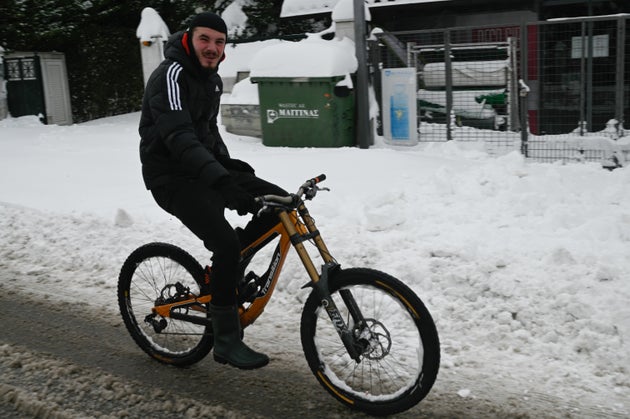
x=400, y=120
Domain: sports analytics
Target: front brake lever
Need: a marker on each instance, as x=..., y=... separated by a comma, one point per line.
x=311, y=192
x=263, y=209
x=267, y=207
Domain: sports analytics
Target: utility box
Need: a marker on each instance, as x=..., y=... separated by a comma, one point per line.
x=37, y=84
x=306, y=112
x=240, y=110
x=399, y=106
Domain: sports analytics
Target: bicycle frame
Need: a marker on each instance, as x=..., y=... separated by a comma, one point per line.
x=294, y=228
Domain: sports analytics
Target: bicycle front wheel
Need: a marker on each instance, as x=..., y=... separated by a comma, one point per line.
x=400, y=353
x=160, y=273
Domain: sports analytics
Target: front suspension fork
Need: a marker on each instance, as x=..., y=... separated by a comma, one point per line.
x=353, y=345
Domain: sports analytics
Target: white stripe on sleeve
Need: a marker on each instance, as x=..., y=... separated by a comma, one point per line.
x=172, y=87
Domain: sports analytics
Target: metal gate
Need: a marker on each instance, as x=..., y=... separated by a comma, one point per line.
x=25, y=93
x=37, y=84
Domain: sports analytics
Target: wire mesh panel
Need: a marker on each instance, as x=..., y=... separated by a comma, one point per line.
x=466, y=86
x=581, y=88
x=577, y=70
x=556, y=90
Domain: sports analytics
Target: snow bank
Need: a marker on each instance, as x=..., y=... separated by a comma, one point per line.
x=524, y=266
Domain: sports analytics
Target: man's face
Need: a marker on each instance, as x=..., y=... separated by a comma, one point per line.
x=208, y=45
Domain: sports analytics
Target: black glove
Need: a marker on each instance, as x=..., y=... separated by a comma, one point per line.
x=238, y=165
x=236, y=198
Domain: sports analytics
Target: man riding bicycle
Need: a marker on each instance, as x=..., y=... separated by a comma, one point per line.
x=189, y=171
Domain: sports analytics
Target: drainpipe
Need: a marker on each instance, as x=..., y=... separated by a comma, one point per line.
x=363, y=132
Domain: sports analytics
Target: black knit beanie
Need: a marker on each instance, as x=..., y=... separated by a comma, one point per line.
x=209, y=20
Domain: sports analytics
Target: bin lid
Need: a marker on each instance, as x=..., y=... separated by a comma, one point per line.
x=313, y=57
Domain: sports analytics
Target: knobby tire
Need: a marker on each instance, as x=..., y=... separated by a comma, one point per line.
x=399, y=366
x=144, y=277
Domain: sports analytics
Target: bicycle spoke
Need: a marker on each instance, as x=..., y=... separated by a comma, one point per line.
x=391, y=361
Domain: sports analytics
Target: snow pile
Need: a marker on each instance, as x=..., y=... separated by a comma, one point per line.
x=239, y=56
x=243, y=93
x=151, y=26
x=524, y=266
x=312, y=57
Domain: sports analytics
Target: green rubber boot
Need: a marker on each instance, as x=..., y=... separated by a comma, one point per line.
x=228, y=346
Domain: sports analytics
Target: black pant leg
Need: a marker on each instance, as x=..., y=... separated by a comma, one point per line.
x=201, y=209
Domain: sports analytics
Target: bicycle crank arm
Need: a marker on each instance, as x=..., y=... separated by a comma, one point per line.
x=202, y=321
x=170, y=310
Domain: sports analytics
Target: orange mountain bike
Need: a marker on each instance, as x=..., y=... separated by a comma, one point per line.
x=367, y=337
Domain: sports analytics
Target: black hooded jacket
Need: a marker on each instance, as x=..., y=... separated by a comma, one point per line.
x=180, y=139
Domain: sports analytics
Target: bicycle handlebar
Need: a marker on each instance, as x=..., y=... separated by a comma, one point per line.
x=308, y=188
x=315, y=180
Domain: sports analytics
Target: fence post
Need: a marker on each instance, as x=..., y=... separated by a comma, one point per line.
x=364, y=134
x=619, y=82
x=583, y=79
x=448, y=74
x=589, y=79
x=524, y=46
x=375, y=76
x=513, y=87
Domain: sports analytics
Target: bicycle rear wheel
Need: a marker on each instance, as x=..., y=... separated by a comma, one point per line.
x=159, y=273
x=401, y=358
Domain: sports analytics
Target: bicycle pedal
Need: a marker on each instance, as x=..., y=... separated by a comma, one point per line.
x=251, y=276
x=242, y=283
x=248, y=293
x=248, y=288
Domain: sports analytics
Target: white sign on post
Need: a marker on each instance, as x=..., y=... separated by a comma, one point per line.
x=399, y=106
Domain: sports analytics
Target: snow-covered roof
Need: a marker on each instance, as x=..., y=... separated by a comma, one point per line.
x=292, y=8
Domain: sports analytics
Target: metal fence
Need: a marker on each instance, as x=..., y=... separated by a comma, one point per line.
x=556, y=90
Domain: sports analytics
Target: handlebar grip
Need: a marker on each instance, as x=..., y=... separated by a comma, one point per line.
x=318, y=179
